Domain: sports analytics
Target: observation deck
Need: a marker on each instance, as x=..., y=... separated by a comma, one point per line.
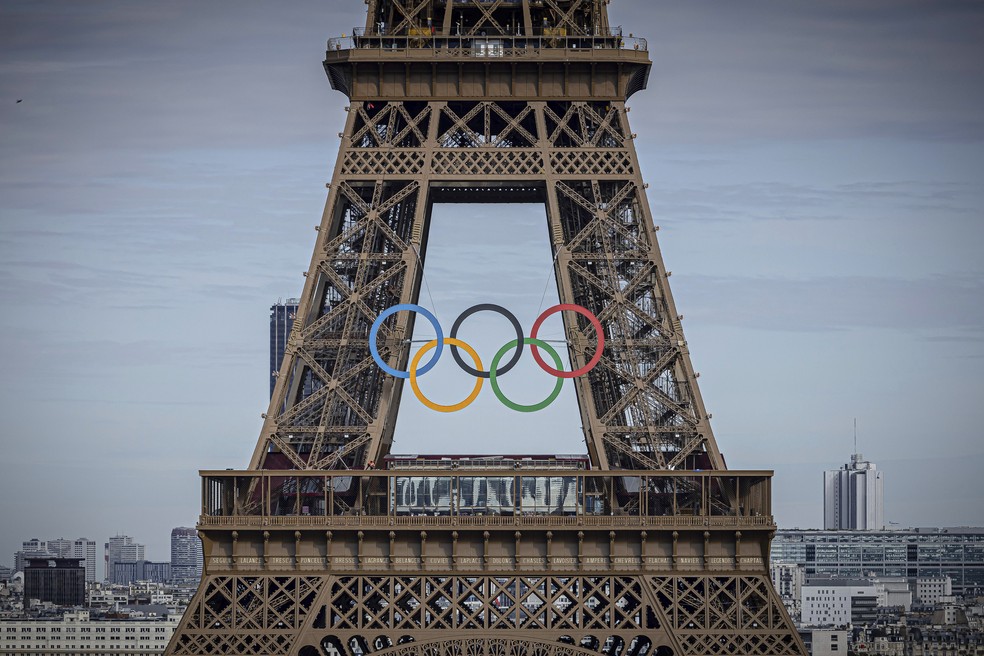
x=548, y=63
x=441, y=497
x=560, y=518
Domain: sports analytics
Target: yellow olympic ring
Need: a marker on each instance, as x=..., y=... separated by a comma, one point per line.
x=449, y=341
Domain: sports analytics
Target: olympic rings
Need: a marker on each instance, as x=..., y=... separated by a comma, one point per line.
x=495, y=384
x=450, y=341
x=494, y=371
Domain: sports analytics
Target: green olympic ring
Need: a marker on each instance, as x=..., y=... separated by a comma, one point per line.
x=528, y=341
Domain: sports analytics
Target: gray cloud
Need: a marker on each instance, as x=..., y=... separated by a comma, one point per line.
x=768, y=69
x=784, y=201
x=917, y=306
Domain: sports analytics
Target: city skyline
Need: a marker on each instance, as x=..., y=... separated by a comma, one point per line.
x=183, y=552
x=816, y=174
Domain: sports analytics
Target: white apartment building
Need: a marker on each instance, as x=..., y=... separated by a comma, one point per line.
x=832, y=604
x=104, y=598
x=933, y=589
x=75, y=633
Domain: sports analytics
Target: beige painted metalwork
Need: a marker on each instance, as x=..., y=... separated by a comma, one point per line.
x=655, y=549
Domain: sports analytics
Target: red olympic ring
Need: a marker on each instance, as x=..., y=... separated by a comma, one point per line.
x=598, y=331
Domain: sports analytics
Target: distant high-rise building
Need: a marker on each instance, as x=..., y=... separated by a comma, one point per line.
x=853, y=497
x=81, y=548
x=141, y=570
x=121, y=549
x=282, y=315
x=60, y=548
x=60, y=581
x=33, y=548
x=186, y=555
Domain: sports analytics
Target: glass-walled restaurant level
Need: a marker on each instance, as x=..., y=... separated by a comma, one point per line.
x=470, y=494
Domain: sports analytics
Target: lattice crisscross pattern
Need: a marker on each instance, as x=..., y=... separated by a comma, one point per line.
x=488, y=602
x=332, y=394
x=725, y=615
x=390, y=124
x=649, y=410
x=584, y=125
x=395, y=161
x=246, y=615
x=520, y=163
x=491, y=125
x=591, y=162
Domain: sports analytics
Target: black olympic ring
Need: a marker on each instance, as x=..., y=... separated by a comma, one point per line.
x=491, y=308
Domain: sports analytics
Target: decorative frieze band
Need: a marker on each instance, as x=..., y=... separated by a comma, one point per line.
x=484, y=162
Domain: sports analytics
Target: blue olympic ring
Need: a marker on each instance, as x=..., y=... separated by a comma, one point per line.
x=408, y=307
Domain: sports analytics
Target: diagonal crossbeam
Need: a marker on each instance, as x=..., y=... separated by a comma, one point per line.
x=514, y=123
x=566, y=18
x=487, y=10
x=563, y=124
x=460, y=124
x=409, y=12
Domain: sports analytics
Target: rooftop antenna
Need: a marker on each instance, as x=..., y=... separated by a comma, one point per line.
x=855, y=435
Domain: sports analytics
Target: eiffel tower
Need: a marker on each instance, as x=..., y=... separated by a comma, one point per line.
x=330, y=545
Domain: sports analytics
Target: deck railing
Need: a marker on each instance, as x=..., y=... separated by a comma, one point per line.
x=483, y=46
x=490, y=497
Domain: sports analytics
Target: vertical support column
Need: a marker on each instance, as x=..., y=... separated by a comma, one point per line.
x=382, y=430
x=592, y=428
x=446, y=24
x=288, y=386
x=527, y=20
x=684, y=368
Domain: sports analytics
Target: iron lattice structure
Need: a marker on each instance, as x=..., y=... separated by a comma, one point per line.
x=660, y=550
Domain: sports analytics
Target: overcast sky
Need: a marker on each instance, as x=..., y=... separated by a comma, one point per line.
x=816, y=169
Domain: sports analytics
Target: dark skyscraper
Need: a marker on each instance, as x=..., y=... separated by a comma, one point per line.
x=58, y=580
x=186, y=555
x=282, y=315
